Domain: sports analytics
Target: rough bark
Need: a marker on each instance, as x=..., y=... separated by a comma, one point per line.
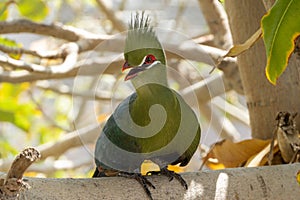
x=264, y=100
x=275, y=182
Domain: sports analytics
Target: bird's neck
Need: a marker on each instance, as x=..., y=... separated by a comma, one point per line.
x=143, y=83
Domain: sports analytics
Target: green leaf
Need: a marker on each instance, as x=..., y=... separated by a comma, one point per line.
x=33, y=9
x=6, y=148
x=3, y=10
x=6, y=116
x=12, y=109
x=11, y=43
x=281, y=26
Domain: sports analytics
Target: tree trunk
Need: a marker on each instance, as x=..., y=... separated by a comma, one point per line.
x=275, y=182
x=264, y=100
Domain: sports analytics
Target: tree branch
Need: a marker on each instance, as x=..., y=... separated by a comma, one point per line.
x=66, y=90
x=89, y=67
x=241, y=183
x=110, y=14
x=48, y=55
x=217, y=22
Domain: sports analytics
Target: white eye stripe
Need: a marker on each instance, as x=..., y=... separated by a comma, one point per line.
x=143, y=60
x=152, y=64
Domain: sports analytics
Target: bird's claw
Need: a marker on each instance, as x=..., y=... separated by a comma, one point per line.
x=171, y=175
x=141, y=179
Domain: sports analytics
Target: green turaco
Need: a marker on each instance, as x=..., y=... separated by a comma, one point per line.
x=154, y=123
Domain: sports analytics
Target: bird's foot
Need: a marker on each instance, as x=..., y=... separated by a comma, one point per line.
x=141, y=179
x=171, y=175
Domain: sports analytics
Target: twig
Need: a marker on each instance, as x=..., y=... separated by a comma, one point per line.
x=13, y=182
x=66, y=90
x=232, y=110
x=70, y=49
x=47, y=55
x=110, y=14
x=86, y=135
x=46, y=116
x=90, y=67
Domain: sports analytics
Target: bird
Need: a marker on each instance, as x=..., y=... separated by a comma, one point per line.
x=153, y=123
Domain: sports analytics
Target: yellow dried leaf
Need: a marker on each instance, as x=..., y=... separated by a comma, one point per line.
x=234, y=154
x=261, y=158
x=214, y=164
x=176, y=168
x=240, y=48
x=147, y=166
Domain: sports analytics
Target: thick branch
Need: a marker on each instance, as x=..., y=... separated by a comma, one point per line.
x=275, y=182
x=56, y=30
x=217, y=22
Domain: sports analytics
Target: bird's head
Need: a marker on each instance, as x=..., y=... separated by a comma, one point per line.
x=148, y=62
x=142, y=47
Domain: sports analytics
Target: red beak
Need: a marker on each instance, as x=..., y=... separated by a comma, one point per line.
x=126, y=66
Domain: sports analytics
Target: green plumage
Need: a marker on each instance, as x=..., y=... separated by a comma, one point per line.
x=154, y=123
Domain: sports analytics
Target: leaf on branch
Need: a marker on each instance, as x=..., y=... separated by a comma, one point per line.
x=281, y=26
x=12, y=44
x=240, y=48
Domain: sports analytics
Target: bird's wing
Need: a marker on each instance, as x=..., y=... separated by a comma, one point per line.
x=115, y=149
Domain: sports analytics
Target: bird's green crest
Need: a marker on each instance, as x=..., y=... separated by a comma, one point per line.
x=141, y=40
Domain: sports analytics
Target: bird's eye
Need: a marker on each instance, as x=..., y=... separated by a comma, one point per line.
x=150, y=59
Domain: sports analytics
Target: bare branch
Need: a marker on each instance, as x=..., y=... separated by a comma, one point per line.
x=66, y=90
x=85, y=40
x=71, y=50
x=56, y=30
x=42, y=54
x=217, y=21
x=91, y=67
x=110, y=14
